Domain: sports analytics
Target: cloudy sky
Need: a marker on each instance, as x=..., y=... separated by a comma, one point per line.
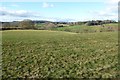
x=58, y=10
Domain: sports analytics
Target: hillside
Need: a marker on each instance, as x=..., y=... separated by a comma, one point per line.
x=89, y=29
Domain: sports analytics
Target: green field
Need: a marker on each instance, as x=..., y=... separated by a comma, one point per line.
x=55, y=54
x=89, y=29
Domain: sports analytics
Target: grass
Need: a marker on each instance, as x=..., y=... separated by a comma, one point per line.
x=55, y=54
x=89, y=29
x=112, y=24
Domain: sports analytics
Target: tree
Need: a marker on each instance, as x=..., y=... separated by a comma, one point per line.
x=89, y=23
x=27, y=24
x=49, y=25
x=5, y=24
x=14, y=24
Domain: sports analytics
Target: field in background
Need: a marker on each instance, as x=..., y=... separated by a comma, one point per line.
x=57, y=54
x=89, y=29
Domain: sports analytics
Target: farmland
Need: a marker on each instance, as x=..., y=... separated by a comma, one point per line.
x=89, y=29
x=58, y=54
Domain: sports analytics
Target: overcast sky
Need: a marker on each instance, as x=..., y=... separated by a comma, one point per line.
x=58, y=10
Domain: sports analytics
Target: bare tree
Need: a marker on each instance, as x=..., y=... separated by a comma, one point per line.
x=27, y=24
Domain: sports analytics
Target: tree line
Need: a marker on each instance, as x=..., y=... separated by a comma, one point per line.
x=29, y=24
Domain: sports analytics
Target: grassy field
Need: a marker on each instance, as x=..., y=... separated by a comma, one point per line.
x=56, y=54
x=89, y=29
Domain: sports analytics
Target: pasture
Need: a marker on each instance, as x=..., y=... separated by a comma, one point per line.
x=111, y=27
x=58, y=54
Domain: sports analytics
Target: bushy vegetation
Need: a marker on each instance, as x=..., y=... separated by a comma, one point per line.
x=41, y=54
x=46, y=25
x=25, y=24
x=99, y=22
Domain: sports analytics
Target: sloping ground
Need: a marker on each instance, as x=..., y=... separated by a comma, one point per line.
x=90, y=29
x=55, y=54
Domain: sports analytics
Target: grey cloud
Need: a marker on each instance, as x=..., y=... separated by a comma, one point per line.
x=23, y=14
x=19, y=13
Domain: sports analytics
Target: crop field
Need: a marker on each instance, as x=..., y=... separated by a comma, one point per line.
x=58, y=54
